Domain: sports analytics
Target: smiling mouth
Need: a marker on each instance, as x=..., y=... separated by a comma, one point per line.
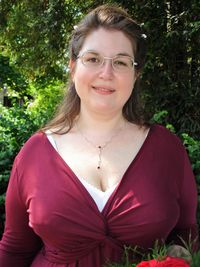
x=103, y=90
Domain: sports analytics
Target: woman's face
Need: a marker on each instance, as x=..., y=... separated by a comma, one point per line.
x=103, y=89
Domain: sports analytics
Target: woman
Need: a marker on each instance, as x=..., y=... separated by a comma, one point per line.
x=98, y=177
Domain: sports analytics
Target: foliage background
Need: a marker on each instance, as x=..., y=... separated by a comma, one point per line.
x=33, y=68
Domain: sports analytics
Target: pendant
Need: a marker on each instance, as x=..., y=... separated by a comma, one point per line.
x=99, y=162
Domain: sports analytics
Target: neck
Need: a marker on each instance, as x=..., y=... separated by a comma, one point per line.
x=99, y=131
x=95, y=125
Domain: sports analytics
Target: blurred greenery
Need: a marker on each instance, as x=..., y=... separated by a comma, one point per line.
x=18, y=123
x=159, y=253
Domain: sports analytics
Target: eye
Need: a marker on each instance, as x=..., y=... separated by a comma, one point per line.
x=123, y=63
x=91, y=59
x=120, y=62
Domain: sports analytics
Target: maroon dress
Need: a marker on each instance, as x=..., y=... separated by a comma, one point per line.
x=52, y=221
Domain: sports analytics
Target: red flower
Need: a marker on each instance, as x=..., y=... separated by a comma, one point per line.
x=151, y=263
x=177, y=262
x=168, y=262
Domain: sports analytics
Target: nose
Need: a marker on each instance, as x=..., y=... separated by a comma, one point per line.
x=106, y=71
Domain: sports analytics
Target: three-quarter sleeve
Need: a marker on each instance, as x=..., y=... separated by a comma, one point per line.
x=19, y=243
x=186, y=228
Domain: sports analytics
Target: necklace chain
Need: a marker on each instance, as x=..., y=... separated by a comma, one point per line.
x=99, y=147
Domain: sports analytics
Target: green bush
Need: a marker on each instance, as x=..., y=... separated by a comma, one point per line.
x=14, y=129
x=17, y=124
x=193, y=148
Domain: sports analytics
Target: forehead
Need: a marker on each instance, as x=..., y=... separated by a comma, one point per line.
x=108, y=42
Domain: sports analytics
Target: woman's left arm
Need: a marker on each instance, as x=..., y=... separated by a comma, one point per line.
x=187, y=228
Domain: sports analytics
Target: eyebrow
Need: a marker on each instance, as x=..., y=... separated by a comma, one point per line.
x=97, y=53
x=124, y=54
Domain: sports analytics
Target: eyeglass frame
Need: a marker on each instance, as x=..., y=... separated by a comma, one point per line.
x=106, y=58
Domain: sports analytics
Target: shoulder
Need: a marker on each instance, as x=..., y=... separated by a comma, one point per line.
x=34, y=147
x=163, y=133
x=164, y=138
x=35, y=140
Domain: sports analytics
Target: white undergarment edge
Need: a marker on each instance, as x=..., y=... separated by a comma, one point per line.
x=98, y=196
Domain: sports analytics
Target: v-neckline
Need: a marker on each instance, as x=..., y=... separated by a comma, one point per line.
x=82, y=187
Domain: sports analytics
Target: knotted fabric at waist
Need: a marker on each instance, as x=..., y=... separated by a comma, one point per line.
x=73, y=254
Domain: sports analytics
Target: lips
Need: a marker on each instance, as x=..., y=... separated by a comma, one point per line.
x=103, y=90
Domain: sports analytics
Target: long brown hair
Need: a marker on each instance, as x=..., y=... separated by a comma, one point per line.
x=108, y=17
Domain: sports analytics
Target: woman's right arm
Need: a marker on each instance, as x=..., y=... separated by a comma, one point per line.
x=19, y=243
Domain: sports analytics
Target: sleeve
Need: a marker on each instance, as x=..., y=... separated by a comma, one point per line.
x=186, y=228
x=19, y=243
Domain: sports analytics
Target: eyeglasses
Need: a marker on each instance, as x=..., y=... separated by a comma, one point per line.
x=120, y=63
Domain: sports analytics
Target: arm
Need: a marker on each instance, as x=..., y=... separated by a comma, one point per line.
x=186, y=227
x=19, y=243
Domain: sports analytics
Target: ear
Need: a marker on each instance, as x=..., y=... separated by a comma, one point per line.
x=72, y=65
x=137, y=75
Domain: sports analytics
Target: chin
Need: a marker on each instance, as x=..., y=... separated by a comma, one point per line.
x=106, y=109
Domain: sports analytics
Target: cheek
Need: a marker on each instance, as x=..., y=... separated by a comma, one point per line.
x=81, y=75
x=78, y=78
x=128, y=87
x=129, y=84
x=82, y=80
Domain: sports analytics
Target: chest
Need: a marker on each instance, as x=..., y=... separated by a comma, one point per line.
x=101, y=167
x=140, y=201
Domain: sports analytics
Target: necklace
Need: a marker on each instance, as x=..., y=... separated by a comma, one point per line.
x=99, y=147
